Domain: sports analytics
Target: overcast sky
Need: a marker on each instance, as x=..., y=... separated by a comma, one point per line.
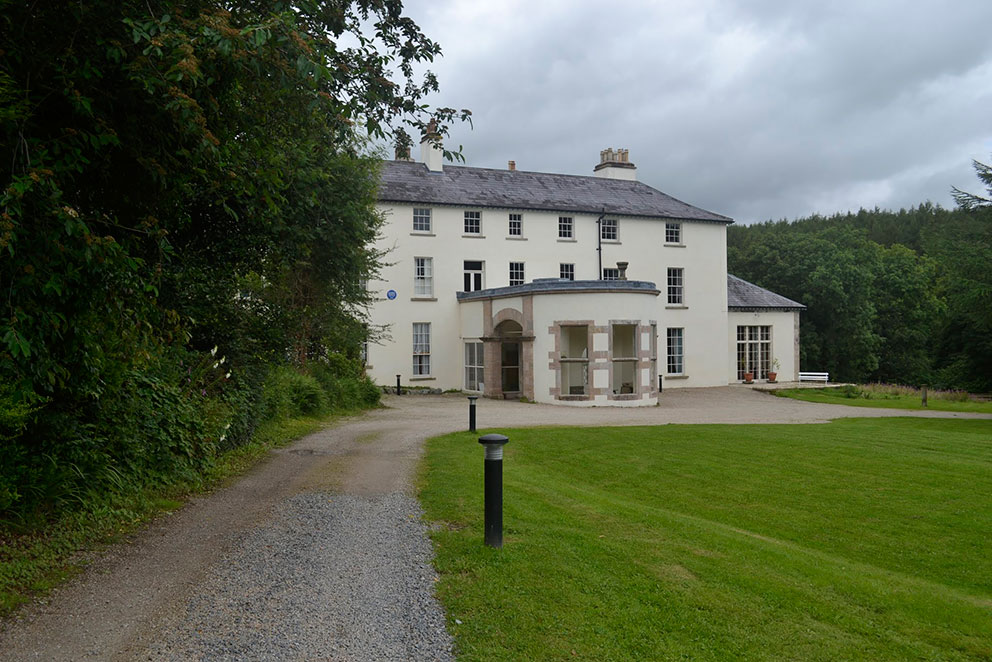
x=759, y=109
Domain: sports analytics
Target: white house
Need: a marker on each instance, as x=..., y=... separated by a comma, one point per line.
x=563, y=289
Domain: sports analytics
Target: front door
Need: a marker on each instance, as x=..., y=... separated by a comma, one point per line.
x=510, y=366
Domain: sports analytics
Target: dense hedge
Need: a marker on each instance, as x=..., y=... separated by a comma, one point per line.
x=163, y=426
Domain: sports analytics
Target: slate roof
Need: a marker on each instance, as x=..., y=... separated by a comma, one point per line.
x=412, y=182
x=560, y=286
x=745, y=296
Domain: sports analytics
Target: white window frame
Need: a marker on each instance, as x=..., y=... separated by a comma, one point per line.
x=566, y=227
x=571, y=362
x=609, y=229
x=566, y=270
x=421, y=349
x=474, y=365
x=754, y=350
x=423, y=277
x=676, y=286
x=515, y=225
x=673, y=233
x=611, y=273
x=675, y=351
x=420, y=215
x=517, y=273
x=481, y=271
x=473, y=219
x=624, y=364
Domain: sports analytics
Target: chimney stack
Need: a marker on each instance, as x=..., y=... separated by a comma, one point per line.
x=615, y=164
x=430, y=150
x=622, y=268
x=512, y=165
x=403, y=153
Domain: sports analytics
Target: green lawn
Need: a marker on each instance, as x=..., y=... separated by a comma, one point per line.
x=856, y=540
x=886, y=398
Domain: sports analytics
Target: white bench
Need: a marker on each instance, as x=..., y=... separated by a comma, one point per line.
x=814, y=377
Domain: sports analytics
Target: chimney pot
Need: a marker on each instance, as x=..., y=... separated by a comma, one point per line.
x=512, y=165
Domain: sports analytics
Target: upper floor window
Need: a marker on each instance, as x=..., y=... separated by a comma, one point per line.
x=565, y=227
x=611, y=273
x=673, y=233
x=675, y=286
x=423, y=277
x=473, y=273
x=566, y=271
x=516, y=273
x=473, y=222
x=516, y=228
x=421, y=220
x=608, y=229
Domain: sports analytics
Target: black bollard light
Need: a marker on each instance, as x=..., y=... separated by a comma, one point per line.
x=471, y=412
x=493, y=444
x=399, y=391
x=924, y=393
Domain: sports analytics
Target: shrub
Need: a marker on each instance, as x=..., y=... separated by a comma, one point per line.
x=288, y=393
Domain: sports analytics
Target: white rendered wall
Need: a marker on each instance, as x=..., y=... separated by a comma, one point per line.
x=600, y=309
x=784, y=336
x=641, y=242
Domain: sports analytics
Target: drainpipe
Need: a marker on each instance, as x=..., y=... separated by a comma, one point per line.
x=599, y=243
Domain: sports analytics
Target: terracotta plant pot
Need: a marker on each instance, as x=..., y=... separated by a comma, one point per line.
x=772, y=377
x=748, y=377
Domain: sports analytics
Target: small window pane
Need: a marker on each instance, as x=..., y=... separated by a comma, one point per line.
x=421, y=348
x=675, y=286
x=675, y=366
x=473, y=222
x=608, y=229
x=423, y=277
x=421, y=220
x=516, y=273
x=516, y=228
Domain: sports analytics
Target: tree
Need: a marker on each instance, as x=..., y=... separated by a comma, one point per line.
x=161, y=159
x=963, y=245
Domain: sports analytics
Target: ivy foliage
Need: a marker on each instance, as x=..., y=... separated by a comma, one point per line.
x=179, y=176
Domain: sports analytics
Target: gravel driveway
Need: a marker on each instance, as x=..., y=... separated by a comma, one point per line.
x=319, y=553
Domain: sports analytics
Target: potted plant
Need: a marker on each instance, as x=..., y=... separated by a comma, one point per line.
x=773, y=373
x=748, y=376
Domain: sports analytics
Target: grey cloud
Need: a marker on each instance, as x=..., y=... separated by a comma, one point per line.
x=756, y=110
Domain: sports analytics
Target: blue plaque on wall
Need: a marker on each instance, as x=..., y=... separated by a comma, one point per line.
x=391, y=294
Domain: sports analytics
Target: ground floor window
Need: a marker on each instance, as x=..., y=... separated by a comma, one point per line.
x=474, y=377
x=566, y=271
x=675, y=352
x=754, y=350
x=574, y=360
x=624, y=358
x=421, y=348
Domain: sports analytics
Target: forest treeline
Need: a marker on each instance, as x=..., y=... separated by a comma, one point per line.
x=892, y=296
x=186, y=216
